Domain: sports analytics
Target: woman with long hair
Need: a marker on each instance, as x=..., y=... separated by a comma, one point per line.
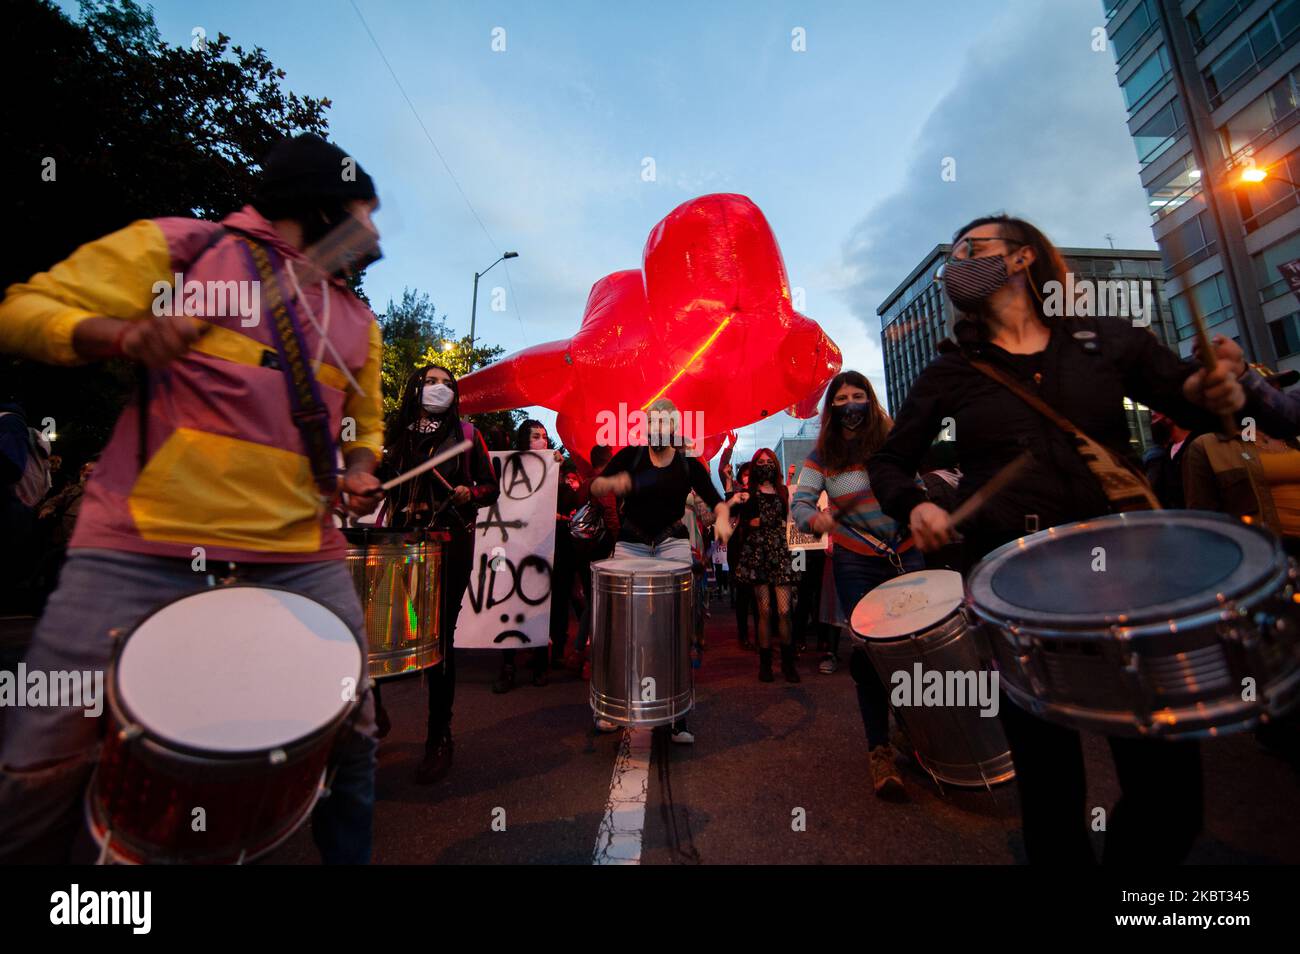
x=531, y=436
x=869, y=547
x=1000, y=278
x=763, y=561
x=446, y=498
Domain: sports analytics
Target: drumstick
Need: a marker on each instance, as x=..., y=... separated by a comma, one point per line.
x=1208, y=358
x=995, y=486
x=429, y=464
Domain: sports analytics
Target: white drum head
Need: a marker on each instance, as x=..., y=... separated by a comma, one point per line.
x=907, y=604
x=639, y=566
x=239, y=669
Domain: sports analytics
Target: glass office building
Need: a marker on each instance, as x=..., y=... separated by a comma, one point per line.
x=915, y=317
x=1212, y=88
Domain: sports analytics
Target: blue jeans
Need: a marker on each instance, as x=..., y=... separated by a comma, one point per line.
x=48, y=753
x=857, y=575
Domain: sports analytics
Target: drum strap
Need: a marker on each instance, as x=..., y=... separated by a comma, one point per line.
x=310, y=414
x=1125, y=488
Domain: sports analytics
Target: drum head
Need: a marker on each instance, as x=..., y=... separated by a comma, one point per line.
x=1159, y=565
x=238, y=669
x=907, y=604
x=640, y=566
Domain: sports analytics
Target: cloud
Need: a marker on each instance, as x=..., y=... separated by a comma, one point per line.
x=1036, y=126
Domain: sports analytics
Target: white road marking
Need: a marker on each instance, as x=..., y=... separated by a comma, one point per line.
x=619, y=839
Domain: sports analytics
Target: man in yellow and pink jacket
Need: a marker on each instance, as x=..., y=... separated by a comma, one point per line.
x=219, y=475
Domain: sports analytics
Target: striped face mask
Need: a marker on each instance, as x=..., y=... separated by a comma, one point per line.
x=970, y=281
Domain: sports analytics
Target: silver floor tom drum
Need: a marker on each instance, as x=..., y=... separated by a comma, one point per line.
x=912, y=625
x=642, y=619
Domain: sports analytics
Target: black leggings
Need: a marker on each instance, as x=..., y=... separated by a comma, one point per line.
x=1155, y=821
x=458, y=564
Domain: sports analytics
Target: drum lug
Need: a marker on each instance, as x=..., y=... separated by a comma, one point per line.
x=129, y=733
x=277, y=757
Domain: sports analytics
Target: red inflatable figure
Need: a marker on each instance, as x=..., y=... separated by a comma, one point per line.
x=707, y=322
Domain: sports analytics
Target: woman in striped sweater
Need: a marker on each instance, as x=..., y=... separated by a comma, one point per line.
x=869, y=547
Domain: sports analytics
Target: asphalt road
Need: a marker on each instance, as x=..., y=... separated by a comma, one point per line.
x=529, y=761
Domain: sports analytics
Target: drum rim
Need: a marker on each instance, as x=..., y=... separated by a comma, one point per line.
x=671, y=568
x=986, y=604
x=121, y=712
x=865, y=639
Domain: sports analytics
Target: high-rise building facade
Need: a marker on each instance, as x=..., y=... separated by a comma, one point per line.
x=1212, y=89
x=915, y=317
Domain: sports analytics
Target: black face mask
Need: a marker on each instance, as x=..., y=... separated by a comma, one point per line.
x=764, y=473
x=850, y=415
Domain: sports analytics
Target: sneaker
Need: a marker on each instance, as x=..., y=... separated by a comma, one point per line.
x=829, y=665
x=604, y=725
x=437, y=761
x=885, y=779
x=683, y=735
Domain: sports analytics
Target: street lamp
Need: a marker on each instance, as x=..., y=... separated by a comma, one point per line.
x=1256, y=174
x=473, y=311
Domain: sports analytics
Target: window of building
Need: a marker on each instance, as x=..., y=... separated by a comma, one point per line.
x=1267, y=262
x=1189, y=243
x=1267, y=37
x=1211, y=297
x=1128, y=34
x=1180, y=183
x=1159, y=132
x=1146, y=80
x=1210, y=17
x=1286, y=335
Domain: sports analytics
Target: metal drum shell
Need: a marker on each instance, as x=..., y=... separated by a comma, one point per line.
x=641, y=628
x=398, y=578
x=956, y=746
x=1141, y=675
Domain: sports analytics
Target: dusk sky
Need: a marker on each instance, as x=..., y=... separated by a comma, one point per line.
x=840, y=145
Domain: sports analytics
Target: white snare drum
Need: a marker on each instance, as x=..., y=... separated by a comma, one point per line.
x=912, y=625
x=223, y=706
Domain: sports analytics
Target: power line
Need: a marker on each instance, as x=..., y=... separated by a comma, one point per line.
x=414, y=112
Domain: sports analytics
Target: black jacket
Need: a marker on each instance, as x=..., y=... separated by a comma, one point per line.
x=1089, y=366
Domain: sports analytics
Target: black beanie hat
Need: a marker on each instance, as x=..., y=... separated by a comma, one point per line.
x=305, y=169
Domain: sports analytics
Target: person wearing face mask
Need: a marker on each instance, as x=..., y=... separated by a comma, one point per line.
x=427, y=422
x=1082, y=368
x=764, y=561
x=868, y=546
x=212, y=457
x=652, y=482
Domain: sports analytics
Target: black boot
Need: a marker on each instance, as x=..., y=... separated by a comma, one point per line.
x=437, y=760
x=788, y=667
x=505, y=680
x=765, y=665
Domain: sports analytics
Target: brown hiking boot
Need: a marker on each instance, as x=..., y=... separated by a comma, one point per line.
x=884, y=774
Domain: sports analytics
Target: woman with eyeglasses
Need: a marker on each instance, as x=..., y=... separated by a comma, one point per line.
x=998, y=280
